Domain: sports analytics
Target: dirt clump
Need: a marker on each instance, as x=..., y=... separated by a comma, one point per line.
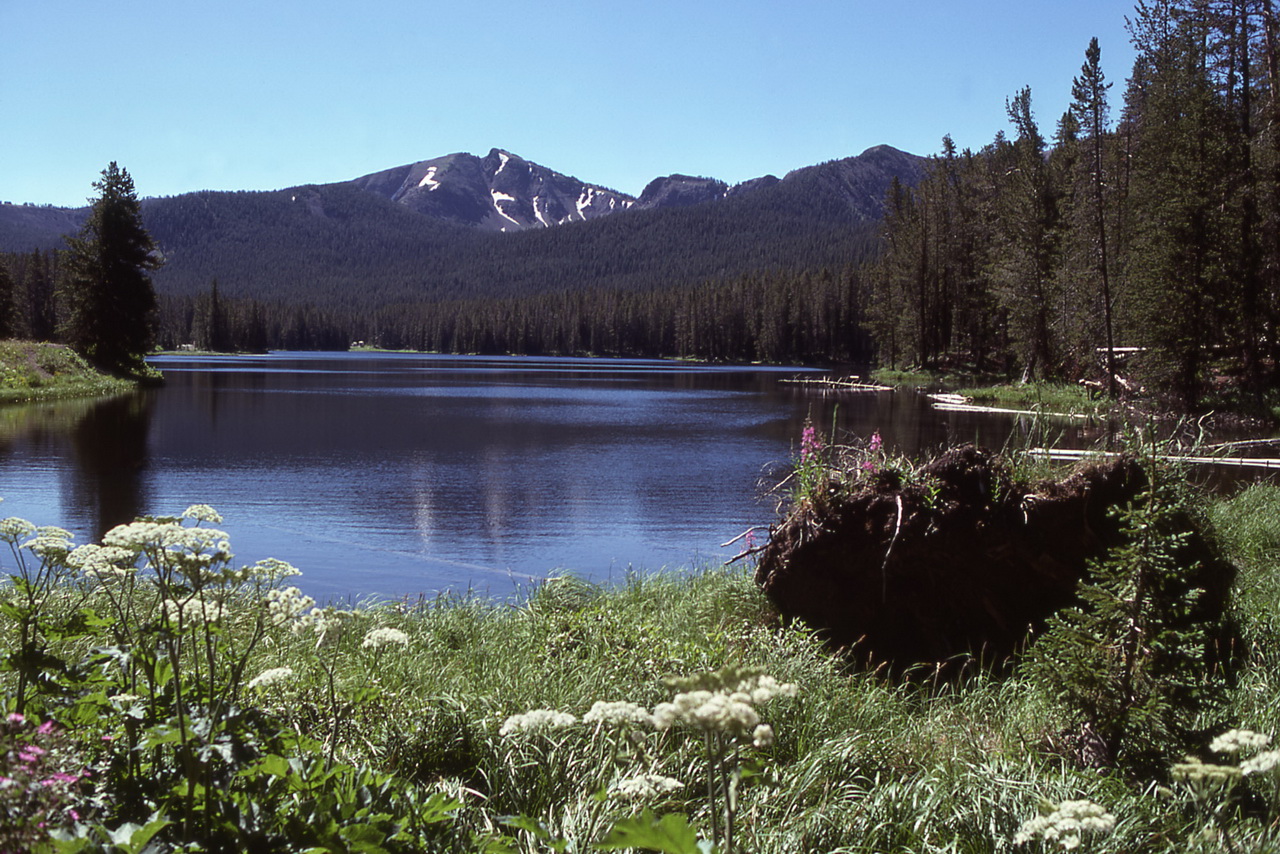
x=962, y=560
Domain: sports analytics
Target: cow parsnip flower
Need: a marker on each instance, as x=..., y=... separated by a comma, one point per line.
x=1066, y=824
x=1239, y=741
x=384, y=636
x=619, y=713
x=202, y=513
x=14, y=529
x=538, y=720
x=1266, y=761
x=272, y=676
x=644, y=787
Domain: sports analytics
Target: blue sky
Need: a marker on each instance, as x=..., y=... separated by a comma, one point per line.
x=264, y=94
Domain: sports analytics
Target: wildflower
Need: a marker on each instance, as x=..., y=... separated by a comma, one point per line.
x=1261, y=764
x=1197, y=773
x=644, y=787
x=1066, y=823
x=384, y=636
x=202, y=513
x=272, y=569
x=50, y=542
x=536, y=721
x=810, y=444
x=765, y=688
x=326, y=623
x=763, y=736
x=1238, y=740
x=273, y=676
x=287, y=603
x=620, y=713
x=102, y=563
x=192, y=612
x=14, y=529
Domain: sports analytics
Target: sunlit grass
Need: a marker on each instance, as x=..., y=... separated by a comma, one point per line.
x=32, y=370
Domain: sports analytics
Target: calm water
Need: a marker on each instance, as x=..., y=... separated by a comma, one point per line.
x=391, y=474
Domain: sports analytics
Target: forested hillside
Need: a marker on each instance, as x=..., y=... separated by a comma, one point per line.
x=1159, y=231
x=763, y=270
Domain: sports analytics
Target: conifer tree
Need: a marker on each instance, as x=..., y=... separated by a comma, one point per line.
x=111, y=306
x=8, y=316
x=1089, y=108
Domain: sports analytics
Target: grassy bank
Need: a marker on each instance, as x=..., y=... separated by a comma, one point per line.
x=31, y=370
x=196, y=702
x=1066, y=398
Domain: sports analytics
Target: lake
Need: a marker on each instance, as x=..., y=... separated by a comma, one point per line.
x=394, y=475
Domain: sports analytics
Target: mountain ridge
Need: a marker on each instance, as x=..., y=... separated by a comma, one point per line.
x=433, y=230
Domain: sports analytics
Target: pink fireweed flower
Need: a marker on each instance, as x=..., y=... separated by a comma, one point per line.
x=810, y=444
x=875, y=443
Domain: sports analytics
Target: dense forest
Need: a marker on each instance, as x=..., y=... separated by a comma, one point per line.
x=1141, y=249
x=1156, y=237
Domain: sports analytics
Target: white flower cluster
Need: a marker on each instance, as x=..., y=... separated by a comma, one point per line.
x=620, y=713
x=325, y=623
x=102, y=563
x=644, y=787
x=14, y=529
x=1199, y=774
x=287, y=603
x=537, y=721
x=50, y=541
x=193, y=612
x=729, y=710
x=272, y=569
x=1239, y=741
x=384, y=636
x=1268, y=760
x=202, y=513
x=1066, y=824
x=273, y=676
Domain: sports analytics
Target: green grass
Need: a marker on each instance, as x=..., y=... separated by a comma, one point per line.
x=860, y=764
x=32, y=370
x=1066, y=398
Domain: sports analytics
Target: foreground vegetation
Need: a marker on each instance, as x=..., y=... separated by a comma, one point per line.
x=159, y=698
x=32, y=370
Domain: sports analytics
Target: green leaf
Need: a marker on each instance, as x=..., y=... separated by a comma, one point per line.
x=669, y=834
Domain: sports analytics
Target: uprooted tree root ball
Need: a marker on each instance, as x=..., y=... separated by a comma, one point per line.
x=960, y=560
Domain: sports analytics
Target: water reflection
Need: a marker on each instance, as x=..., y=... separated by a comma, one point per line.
x=398, y=474
x=94, y=449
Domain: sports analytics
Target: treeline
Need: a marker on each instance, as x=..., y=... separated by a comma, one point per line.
x=774, y=317
x=1160, y=232
x=338, y=246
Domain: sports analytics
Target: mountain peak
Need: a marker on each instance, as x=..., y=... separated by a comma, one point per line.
x=498, y=192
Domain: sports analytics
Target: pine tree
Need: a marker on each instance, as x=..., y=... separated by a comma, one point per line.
x=8, y=314
x=111, y=306
x=1089, y=107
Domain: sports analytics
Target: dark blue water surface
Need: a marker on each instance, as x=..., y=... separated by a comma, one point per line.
x=399, y=474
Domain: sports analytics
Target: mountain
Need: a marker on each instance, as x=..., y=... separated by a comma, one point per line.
x=462, y=226
x=498, y=192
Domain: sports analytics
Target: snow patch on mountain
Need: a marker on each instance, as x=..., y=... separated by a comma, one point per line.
x=499, y=196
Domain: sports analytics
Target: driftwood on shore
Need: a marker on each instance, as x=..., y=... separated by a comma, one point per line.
x=960, y=403
x=850, y=384
x=1064, y=454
